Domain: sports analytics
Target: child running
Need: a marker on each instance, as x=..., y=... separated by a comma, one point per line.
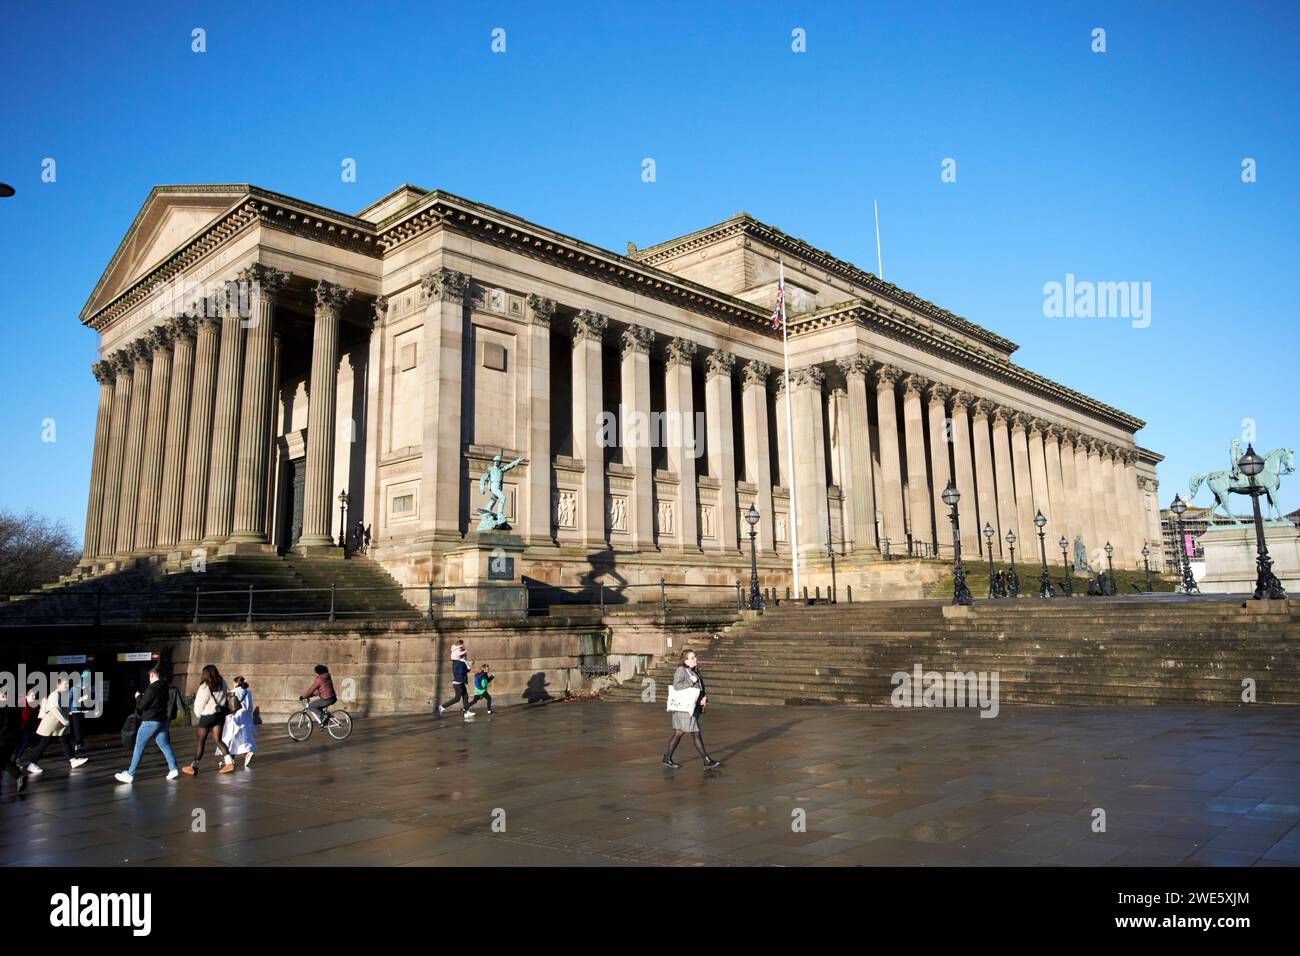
x=481, y=681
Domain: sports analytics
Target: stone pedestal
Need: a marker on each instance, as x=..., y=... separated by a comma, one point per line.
x=484, y=573
x=1230, y=557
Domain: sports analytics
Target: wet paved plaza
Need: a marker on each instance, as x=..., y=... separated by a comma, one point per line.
x=580, y=783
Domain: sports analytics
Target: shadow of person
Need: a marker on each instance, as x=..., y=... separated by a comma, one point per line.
x=535, y=692
x=761, y=737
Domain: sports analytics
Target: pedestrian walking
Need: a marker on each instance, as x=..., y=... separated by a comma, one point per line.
x=78, y=703
x=211, y=704
x=687, y=677
x=459, y=681
x=482, y=678
x=29, y=715
x=9, y=728
x=53, y=722
x=152, y=707
x=238, y=734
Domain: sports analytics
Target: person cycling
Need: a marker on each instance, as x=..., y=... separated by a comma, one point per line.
x=322, y=688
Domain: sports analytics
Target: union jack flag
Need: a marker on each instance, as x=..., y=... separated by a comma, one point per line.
x=780, y=303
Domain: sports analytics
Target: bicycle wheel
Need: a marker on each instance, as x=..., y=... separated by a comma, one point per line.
x=300, y=726
x=340, y=724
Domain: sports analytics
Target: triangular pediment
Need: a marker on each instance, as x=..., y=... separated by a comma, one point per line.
x=169, y=218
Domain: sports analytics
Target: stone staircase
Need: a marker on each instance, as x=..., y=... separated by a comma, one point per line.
x=289, y=587
x=1085, y=651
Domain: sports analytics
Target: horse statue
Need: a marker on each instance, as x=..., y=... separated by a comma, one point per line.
x=1278, y=462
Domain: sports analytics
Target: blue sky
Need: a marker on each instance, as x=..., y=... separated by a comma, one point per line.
x=1115, y=166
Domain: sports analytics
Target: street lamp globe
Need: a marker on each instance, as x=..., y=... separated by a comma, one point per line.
x=751, y=516
x=1250, y=464
x=343, y=497
x=1146, y=552
x=988, y=531
x=951, y=495
x=1178, y=506
x=1040, y=521
x=1011, y=538
x=1062, y=544
x=1110, y=549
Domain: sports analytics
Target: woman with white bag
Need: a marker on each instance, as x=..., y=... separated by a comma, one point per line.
x=686, y=701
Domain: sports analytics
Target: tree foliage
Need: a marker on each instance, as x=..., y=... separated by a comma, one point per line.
x=33, y=551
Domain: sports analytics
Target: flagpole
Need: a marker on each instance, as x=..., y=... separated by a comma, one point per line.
x=789, y=441
x=880, y=267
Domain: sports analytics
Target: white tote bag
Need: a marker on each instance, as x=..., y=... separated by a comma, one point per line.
x=683, y=701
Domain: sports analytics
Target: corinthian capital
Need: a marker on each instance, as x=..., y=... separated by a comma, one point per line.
x=961, y=399
x=940, y=393
x=887, y=376
x=446, y=285
x=681, y=352
x=756, y=373
x=379, y=309
x=542, y=309
x=1002, y=416
x=589, y=325
x=103, y=372
x=330, y=298
x=121, y=361
x=158, y=339
x=718, y=362
x=263, y=280
x=982, y=408
x=1053, y=432
x=853, y=365
x=636, y=338
x=182, y=326
x=1020, y=421
x=810, y=376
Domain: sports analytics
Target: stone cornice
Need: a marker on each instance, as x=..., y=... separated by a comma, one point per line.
x=948, y=347
x=442, y=210
x=746, y=227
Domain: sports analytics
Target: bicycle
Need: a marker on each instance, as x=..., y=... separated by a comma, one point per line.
x=337, y=723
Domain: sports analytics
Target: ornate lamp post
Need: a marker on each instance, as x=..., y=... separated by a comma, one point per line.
x=1110, y=570
x=1013, y=579
x=1067, y=586
x=994, y=590
x=1146, y=566
x=1267, y=586
x=960, y=593
x=755, y=598
x=1189, y=583
x=1045, y=589
x=343, y=521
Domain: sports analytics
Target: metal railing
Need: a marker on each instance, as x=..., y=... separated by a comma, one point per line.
x=106, y=606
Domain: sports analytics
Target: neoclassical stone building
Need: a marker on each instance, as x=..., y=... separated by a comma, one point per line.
x=261, y=355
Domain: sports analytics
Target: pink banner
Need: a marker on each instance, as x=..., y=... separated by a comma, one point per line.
x=1187, y=545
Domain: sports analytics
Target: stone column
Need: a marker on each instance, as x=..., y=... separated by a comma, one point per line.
x=1058, y=522
x=318, y=484
x=1088, y=524
x=861, y=485
x=918, y=486
x=159, y=341
x=122, y=389
x=199, y=444
x=171, y=492
x=442, y=444
x=1039, y=477
x=1097, y=498
x=968, y=511
x=133, y=455
x=679, y=402
x=220, y=520
x=985, y=484
x=891, y=465
x=588, y=334
x=103, y=372
x=540, y=523
x=940, y=471
x=1024, y=520
x=1136, y=505
x=1116, y=532
x=1070, y=489
x=255, y=415
x=758, y=458
x=779, y=408
x=810, y=462
x=1007, y=515
x=634, y=417
x=721, y=439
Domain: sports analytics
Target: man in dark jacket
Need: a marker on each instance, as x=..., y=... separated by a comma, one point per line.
x=152, y=707
x=9, y=724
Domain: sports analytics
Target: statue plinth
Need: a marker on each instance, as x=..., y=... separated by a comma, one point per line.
x=484, y=573
x=1230, y=557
